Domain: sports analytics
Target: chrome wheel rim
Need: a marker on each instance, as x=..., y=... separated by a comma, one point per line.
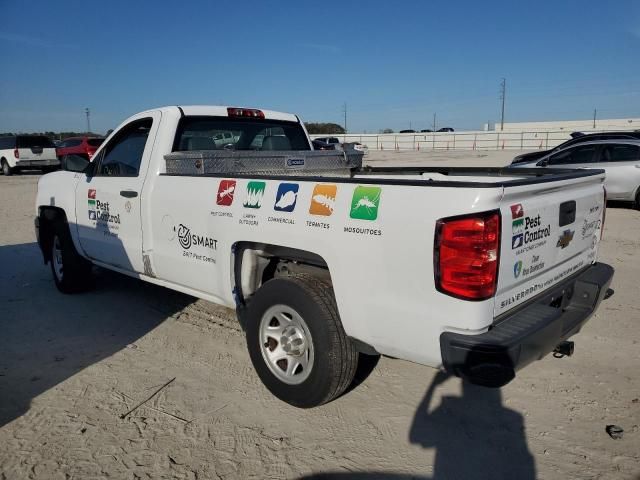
x=56, y=258
x=286, y=344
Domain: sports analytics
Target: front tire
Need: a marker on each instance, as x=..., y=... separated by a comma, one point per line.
x=297, y=343
x=71, y=272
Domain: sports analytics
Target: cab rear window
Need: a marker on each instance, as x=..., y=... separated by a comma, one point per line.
x=221, y=133
x=34, y=141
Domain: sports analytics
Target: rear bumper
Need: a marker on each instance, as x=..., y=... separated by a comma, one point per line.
x=51, y=162
x=528, y=334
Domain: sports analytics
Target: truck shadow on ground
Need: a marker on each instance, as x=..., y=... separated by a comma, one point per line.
x=474, y=436
x=47, y=337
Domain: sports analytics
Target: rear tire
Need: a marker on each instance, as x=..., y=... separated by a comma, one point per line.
x=637, y=203
x=6, y=169
x=71, y=272
x=296, y=341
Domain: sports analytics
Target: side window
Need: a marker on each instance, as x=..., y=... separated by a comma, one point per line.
x=573, y=155
x=73, y=142
x=122, y=156
x=620, y=153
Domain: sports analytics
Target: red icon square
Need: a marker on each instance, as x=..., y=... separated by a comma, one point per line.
x=91, y=193
x=517, y=211
x=225, y=192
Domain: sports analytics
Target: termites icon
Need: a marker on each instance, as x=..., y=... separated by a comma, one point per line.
x=365, y=203
x=323, y=199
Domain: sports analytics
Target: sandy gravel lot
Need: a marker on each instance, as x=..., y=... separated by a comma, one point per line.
x=70, y=366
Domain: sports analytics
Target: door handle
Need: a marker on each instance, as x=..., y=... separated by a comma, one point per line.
x=128, y=193
x=637, y=166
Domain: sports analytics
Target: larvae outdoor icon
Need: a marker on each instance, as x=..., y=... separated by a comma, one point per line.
x=255, y=192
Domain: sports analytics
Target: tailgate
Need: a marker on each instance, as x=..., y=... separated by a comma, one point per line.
x=549, y=232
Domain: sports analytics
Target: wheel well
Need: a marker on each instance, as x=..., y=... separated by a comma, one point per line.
x=47, y=218
x=257, y=263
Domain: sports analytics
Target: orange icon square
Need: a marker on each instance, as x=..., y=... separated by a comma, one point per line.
x=323, y=199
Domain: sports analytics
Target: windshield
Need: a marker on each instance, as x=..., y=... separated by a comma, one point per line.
x=218, y=133
x=34, y=141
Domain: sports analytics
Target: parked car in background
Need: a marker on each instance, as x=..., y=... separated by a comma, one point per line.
x=426, y=130
x=27, y=151
x=445, y=129
x=356, y=146
x=407, y=131
x=83, y=146
x=320, y=145
x=620, y=159
x=331, y=141
x=577, y=138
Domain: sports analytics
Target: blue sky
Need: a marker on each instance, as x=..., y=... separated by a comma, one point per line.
x=393, y=63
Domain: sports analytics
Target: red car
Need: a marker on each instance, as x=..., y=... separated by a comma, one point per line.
x=85, y=146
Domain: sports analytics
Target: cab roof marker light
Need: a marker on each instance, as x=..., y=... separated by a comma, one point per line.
x=244, y=112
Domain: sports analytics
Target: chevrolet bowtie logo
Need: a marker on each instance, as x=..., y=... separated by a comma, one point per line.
x=565, y=239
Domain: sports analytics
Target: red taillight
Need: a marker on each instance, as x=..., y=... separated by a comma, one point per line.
x=467, y=254
x=245, y=112
x=16, y=153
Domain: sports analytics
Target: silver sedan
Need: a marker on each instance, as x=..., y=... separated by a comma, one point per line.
x=620, y=159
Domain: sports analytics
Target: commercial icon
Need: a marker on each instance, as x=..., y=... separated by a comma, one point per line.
x=286, y=197
x=323, y=199
x=365, y=203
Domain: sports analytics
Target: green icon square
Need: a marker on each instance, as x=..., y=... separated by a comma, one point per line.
x=91, y=204
x=255, y=192
x=365, y=203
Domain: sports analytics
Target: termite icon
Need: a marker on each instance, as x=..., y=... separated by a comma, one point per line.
x=323, y=199
x=225, y=192
x=365, y=203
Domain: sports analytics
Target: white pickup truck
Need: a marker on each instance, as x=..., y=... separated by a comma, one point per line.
x=479, y=271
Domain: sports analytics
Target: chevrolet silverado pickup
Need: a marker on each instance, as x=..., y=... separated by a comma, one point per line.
x=478, y=271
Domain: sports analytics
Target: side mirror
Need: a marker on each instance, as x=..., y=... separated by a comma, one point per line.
x=543, y=163
x=75, y=163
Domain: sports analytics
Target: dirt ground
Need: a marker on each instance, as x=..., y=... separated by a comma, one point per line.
x=70, y=366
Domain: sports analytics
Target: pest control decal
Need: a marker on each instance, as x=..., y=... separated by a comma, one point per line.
x=225, y=192
x=323, y=199
x=528, y=232
x=286, y=197
x=255, y=192
x=365, y=203
x=101, y=213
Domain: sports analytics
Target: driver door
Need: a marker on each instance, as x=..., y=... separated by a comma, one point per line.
x=108, y=202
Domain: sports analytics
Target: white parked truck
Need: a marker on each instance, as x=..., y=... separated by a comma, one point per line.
x=479, y=271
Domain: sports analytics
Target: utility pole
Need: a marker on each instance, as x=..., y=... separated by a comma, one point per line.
x=344, y=110
x=503, y=94
x=434, y=121
x=595, y=111
x=87, y=113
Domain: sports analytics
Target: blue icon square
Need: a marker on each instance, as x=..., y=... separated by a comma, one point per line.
x=92, y=214
x=517, y=241
x=286, y=197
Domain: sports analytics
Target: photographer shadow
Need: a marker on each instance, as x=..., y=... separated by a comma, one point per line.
x=474, y=435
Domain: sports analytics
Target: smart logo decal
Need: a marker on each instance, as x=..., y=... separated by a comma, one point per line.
x=365, y=203
x=286, y=197
x=323, y=199
x=225, y=192
x=188, y=239
x=255, y=192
